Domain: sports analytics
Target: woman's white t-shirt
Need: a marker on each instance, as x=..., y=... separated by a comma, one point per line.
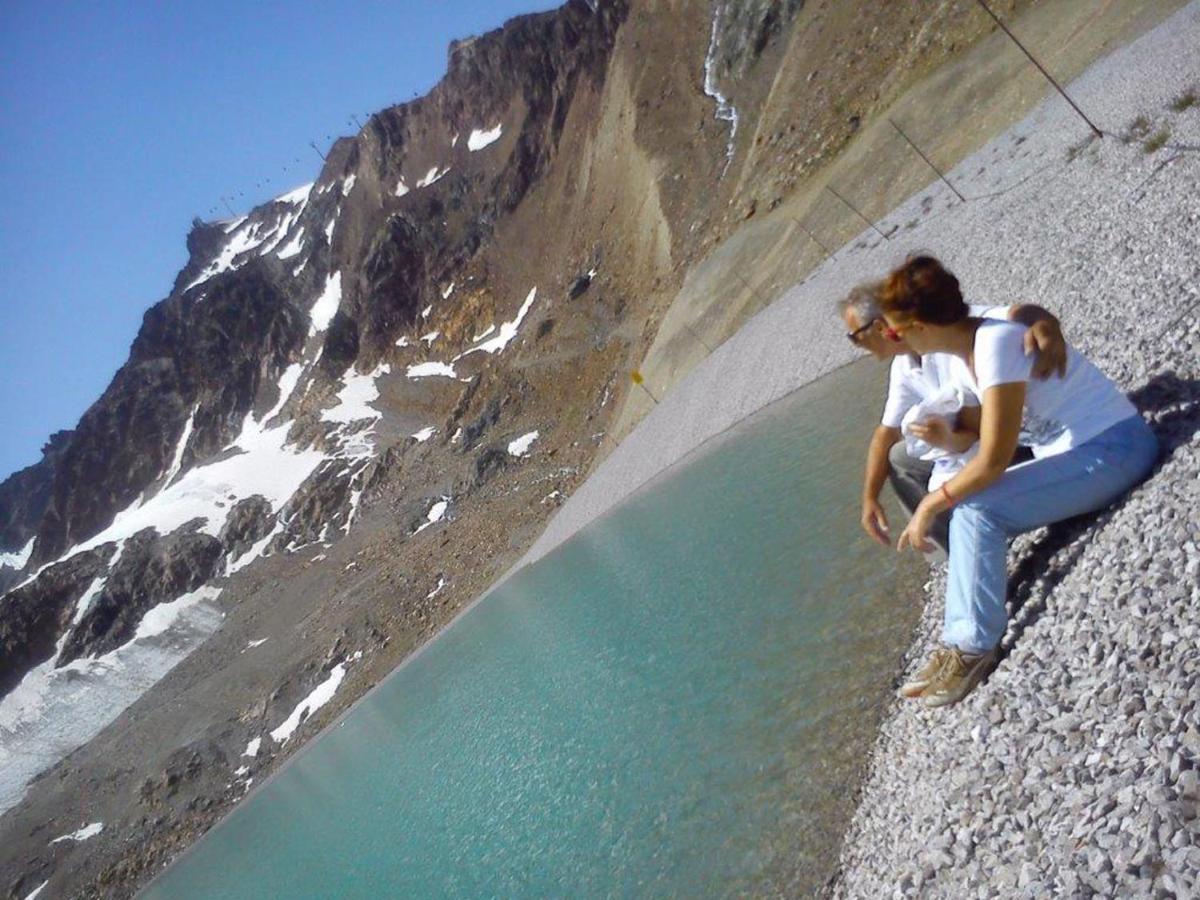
x=1060, y=413
x=913, y=379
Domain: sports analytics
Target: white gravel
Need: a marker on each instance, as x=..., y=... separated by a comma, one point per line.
x=1075, y=769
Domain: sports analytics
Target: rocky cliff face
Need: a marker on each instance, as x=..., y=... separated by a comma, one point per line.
x=327, y=277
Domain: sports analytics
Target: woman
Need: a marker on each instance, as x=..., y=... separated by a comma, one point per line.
x=1090, y=446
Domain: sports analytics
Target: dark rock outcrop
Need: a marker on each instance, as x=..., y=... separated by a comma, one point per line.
x=474, y=431
x=322, y=501
x=151, y=570
x=33, y=616
x=248, y=522
x=24, y=495
x=490, y=461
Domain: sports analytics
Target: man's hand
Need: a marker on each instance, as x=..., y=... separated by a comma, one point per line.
x=918, y=526
x=1045, y=338
x=875, y=523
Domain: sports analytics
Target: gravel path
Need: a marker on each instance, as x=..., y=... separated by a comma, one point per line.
x=1075, y=769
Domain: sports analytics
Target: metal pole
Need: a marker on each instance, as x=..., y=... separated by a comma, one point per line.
x=857, y=213
x=927, y=161
x=640, y=382
x=1042, y=69
x=313, y=144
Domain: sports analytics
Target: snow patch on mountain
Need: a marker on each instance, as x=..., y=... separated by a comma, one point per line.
x=358, y=391
x=85, y=602
x=321, y=695
x=159, y=618
x=287, y=384
x=520, y=446
x=87, y=831
x=431, y=369
x=245, y=239
x=262, y=464
x=434, y=174
x=177, y=459
x=327, y=304
x=436, y=513
x=297, y=195
x=293, y=247
x=508, y=330
x=19, y=558
x=479, y=139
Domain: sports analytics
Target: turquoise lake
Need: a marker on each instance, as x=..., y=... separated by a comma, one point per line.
x=676, y=702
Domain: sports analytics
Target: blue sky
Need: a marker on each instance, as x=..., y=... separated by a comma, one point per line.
x=118, y=127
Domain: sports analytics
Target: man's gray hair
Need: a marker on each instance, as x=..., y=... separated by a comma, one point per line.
x=864, y=300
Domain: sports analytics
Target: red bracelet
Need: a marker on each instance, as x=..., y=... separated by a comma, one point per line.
x=946, y=494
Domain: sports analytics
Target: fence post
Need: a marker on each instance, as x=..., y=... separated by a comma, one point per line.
x=857, y=213
x=927, y=161
x=1041, y=68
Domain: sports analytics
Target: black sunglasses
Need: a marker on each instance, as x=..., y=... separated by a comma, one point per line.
x=852, y=336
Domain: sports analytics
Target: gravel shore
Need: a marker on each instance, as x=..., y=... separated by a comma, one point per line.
x=1074, y=770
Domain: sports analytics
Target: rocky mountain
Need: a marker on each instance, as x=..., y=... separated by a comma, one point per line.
x=361, y=400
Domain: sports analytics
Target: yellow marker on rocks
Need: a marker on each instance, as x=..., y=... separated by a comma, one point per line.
x=637, y=379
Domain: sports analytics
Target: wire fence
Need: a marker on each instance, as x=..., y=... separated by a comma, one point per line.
x=824, y=243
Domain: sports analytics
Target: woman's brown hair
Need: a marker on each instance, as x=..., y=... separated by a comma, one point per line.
x=923, y=290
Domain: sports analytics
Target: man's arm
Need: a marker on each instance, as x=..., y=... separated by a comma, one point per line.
x=1044, y=337
x=874, y=520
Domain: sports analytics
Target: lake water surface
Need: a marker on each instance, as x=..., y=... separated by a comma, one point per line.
x=676, y=702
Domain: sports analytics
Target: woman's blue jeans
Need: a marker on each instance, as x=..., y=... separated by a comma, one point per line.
x=1084, y=479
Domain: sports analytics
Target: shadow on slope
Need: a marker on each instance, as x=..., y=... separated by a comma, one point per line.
x=1172, y=406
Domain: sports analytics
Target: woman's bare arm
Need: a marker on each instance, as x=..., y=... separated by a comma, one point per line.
x=999, y=427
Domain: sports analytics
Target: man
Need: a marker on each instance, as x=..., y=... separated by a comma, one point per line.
x=914, y=379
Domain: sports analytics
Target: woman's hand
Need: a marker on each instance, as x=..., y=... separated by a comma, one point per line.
x=937, y=432
x=875, y=523
x=918, y=527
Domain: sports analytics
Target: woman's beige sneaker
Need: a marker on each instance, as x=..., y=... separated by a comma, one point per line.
x=916, y=685
x=959, y=674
